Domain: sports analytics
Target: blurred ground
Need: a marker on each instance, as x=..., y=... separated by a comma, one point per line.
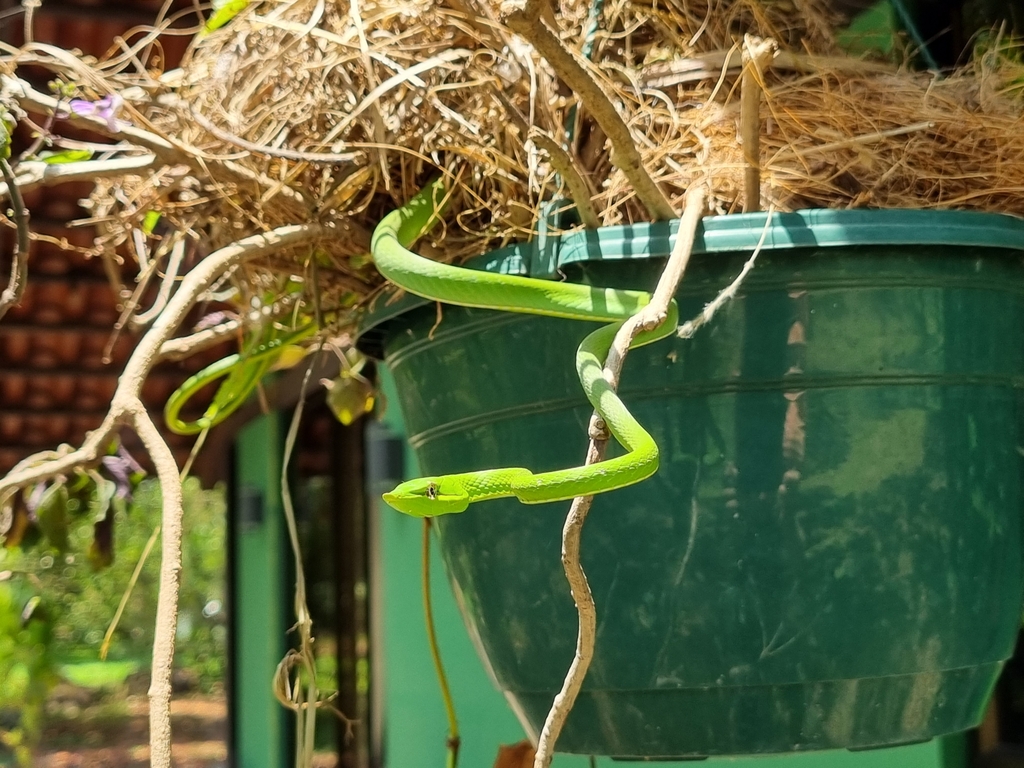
x=112, y=731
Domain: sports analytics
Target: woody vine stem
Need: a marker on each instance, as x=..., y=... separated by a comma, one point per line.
x=649, y=317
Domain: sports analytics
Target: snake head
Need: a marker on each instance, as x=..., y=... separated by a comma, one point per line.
x=427, y=497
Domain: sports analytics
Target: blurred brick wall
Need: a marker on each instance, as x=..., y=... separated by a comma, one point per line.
x=55, y=384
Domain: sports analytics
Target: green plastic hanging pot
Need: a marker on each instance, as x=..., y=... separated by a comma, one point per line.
x=830, y=553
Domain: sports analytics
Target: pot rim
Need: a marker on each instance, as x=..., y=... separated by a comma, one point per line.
x=546, y=255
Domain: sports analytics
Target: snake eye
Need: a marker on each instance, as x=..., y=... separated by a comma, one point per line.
x=432, y=491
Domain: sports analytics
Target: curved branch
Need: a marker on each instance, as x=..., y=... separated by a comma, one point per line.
x=186, y=346
x=19, y=257
x=650, y=316
x=44, y=466
x=127, y=406
x=571, y=174
x=142, y=319
x=36, y=173
x=170, y=584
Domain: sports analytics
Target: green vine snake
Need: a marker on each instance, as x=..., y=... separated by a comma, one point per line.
x=241, y=373
x=432, y=496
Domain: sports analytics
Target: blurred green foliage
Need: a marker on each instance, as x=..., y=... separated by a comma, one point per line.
x=26, y=667
x=57, y=599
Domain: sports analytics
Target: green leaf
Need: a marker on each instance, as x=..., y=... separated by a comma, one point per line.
x=99, y=502
x=871, y=32
x=225, y=12
x=150, y=221
x=79, y=490
x=349, y=397
x=52, y=515
x=97, y=675
x=66, y=156
x=7, y=125
x=18, y=679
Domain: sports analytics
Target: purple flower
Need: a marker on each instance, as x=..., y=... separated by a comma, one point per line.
x=213, y=319
x=35, y=499
x=106, y=109
x=122, y=467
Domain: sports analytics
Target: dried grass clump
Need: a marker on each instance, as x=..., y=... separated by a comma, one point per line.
x=840, y=138
x=399, y=89
x=902, y=141
x=393, y=91
x=306, y=111
x=681, y=28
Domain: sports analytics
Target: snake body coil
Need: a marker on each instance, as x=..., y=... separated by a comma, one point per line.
x=431, y=496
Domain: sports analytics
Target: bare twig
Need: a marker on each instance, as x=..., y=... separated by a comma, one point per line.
x=43, y=137
x=142, y=319
x=567, y=168
x=37, y=468
x=524, y=18
x=28, y=22
x=170, y=583
x=36, y=173
x=305, y=725
x=710, y=65
x=304, y=703
x=108, y=636
x=756, y=55
x=650, y=316
x=19, y=256
x=690, y=327
x=186, y=346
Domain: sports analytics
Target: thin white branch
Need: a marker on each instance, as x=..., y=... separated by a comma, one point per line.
x=186, y=346
x=690, y=327
x=170, y=584
x=142, y=319
x=571, y=174
x=11, y=295
x=34, y=469
x=648, y=317
x=35, y=173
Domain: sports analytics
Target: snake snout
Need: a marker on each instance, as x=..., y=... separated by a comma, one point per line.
x=424, y=497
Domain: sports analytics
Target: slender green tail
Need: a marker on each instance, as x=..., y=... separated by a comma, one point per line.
x=242, y=371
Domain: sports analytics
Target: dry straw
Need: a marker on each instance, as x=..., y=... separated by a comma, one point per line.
x=304, y=110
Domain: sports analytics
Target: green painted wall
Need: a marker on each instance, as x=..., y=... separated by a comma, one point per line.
x=260, y=595
x=414, y=722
